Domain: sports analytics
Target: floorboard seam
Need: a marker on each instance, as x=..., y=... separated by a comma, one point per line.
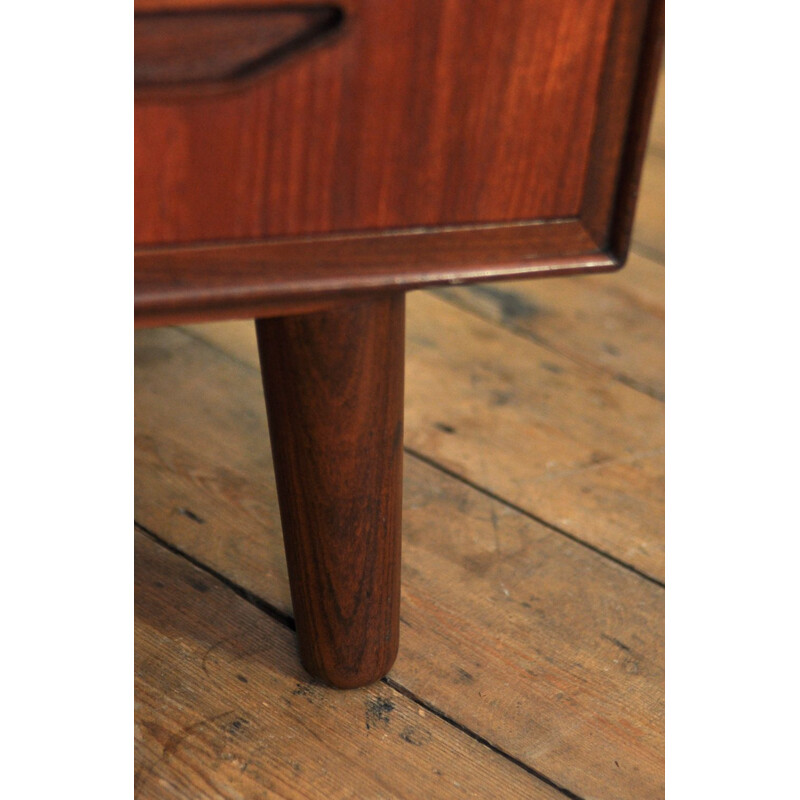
x=488, y=493
x=288, y=621
x=262, y=605
x=400, y=689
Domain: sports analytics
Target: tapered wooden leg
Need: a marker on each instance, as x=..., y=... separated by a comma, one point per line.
x=333, y=383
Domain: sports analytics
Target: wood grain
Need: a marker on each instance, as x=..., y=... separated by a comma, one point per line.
x=223, y=710
x=568, y=673
x=333, y=383
x=421, y=113
x=544, y=438
x=555, y=437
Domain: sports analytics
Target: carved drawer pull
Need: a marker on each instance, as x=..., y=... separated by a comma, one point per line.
x=175, y=49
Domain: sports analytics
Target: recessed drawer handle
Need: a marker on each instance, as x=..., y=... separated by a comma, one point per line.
x=219, y=46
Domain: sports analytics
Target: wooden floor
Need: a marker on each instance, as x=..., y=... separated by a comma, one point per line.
x=532, y=637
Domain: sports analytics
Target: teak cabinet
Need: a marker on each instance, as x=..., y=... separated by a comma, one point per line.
x=306, y=164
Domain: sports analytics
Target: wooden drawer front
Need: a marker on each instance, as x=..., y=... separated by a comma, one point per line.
x=412, y=113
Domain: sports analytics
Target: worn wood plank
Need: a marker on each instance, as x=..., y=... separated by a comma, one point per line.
x=538, y=644
x=223, y=710
x=535, y=428
x=557, y=438
x=614, y=322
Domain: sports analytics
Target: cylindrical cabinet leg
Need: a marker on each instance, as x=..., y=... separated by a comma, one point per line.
x=333, y=383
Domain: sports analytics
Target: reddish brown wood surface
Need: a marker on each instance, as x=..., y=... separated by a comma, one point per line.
x=426, y=118
x=334, y=388
x=295, y=276
x=421, y=113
